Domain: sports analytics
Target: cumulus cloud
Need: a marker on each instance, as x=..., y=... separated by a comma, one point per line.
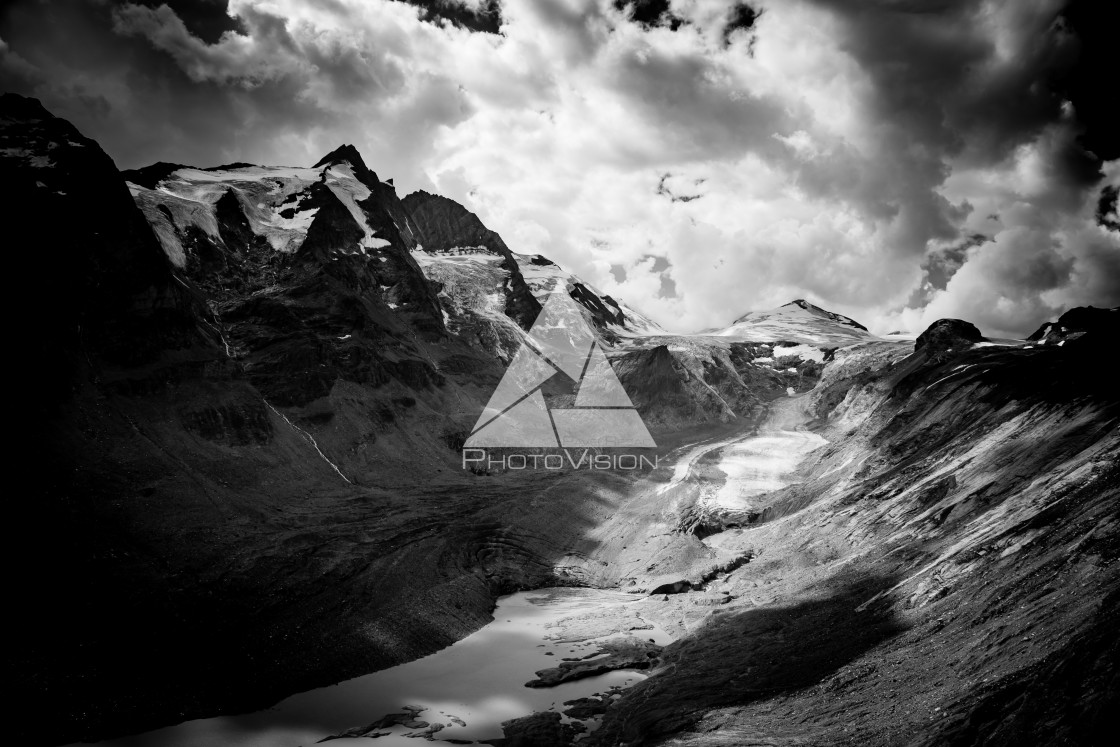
x=895, y=161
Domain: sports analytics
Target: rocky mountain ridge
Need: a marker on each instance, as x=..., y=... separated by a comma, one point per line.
x=1076, y=323
x=219, y=224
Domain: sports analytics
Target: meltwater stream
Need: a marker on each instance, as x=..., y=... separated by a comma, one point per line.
x=469, y=688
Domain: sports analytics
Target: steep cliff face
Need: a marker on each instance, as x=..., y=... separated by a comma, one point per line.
x=448, y=228
x=310, y=270
x=115, y=317
x=315, y=276
x=111, y=292
x=483, y=286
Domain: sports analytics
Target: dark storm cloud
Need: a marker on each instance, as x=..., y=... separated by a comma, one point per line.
x=940, y=74
x=487, y=17
x=742, y=18
x=939, y=77
x=940, y=265
x=1107, y=214
x=1091, y=83
x=957, y=87
x=146, y=82
x=206, y=19
x=650, y=13
x=158, y=111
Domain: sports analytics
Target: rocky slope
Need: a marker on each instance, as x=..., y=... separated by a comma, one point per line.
x=943, y=573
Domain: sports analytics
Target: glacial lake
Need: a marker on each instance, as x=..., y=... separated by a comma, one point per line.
x=469, y=687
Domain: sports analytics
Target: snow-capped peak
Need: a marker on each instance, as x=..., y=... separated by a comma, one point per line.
x=796, y=321
x=347, y=153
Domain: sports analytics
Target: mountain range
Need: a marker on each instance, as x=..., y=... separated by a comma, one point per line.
x=246, y=389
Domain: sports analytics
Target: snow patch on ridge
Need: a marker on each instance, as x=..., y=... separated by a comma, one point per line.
x=341, y=181
x=268, y=198
x=804, y=352
x=191, y=194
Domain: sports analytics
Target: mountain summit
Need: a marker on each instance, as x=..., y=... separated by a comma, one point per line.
x=348, y=154
x=796, y=321
x=804, y=305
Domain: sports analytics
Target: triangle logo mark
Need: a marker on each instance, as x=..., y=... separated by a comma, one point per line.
x=560, y=341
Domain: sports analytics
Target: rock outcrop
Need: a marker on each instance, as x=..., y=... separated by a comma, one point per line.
x=947, y=335
x=1105, y=323
x=625, y=653
x=536, y=730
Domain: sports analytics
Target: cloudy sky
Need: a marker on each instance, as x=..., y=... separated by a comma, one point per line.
x=899, y=161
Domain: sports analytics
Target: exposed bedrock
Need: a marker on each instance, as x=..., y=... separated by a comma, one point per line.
x=625, y=653
x=945, y=335
x=536, y=730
